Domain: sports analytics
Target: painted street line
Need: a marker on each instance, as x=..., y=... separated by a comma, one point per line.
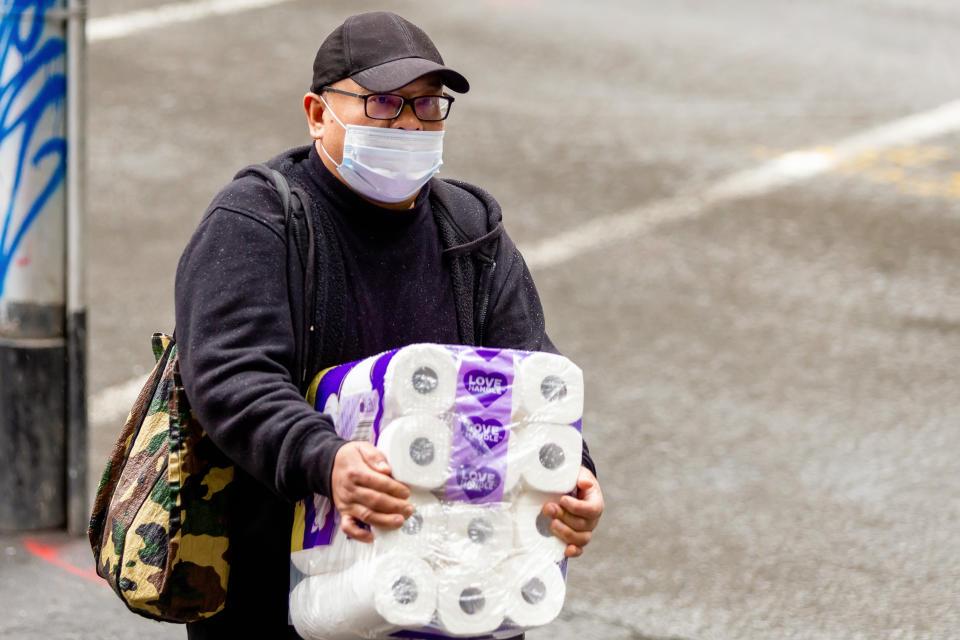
x=786, y=170
x=790, y=168
x=125, y=24
x=51, y=554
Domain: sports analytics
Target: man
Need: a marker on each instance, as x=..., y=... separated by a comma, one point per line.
x=394, y=269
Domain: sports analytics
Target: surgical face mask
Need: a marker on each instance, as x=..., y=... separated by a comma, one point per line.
x=387, y=165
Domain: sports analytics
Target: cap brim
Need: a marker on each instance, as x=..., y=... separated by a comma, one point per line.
x=392, y=75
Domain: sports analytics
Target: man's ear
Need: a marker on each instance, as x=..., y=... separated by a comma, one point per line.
x=314, y=109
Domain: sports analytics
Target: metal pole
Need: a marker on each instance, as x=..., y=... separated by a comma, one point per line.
x=78, y=509
x=33, y=349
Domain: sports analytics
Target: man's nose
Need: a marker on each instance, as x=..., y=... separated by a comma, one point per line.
x=407, y=119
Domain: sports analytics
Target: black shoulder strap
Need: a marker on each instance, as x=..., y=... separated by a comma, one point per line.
x=299, y=224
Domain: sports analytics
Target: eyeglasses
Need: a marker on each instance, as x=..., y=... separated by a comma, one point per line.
x=387, y=106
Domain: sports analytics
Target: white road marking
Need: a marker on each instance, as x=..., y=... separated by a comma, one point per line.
x=787, y=169
x=114, y=402
x=124, y=24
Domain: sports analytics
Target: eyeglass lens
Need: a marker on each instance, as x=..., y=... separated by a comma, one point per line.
x=385, y=106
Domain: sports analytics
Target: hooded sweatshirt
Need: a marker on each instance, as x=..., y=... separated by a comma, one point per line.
x=237, y=334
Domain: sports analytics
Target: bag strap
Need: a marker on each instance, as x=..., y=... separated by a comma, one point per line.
x=299, y=224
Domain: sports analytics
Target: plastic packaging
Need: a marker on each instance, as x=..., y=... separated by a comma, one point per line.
x=484, y=438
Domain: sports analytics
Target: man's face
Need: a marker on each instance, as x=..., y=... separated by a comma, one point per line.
x=325, y=129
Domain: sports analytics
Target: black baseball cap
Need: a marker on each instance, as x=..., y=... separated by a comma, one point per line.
x=380, y=51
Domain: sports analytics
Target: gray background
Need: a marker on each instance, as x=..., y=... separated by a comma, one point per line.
x=772, y=390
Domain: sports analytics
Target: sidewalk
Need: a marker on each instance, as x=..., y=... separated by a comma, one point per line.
x=49, y=589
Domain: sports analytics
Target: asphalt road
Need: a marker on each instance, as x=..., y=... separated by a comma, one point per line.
x=773, y=397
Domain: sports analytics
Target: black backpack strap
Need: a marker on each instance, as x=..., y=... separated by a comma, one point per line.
x=327, y=303
x=300, y=234
x=325, y=306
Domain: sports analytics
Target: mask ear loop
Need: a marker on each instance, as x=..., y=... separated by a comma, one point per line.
x=338, y=165
x=323, y=148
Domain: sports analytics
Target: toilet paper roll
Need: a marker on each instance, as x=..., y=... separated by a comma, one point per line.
x=332, y=408
x=405, y=590
x=477, y=533
x=420, y=378
x=370, y=599
x=515, y=462
x=418, y=450
x=552, y=458
x=358, y=379
x=470, y=600
x=548, y=388
x=335, y=606
x=342, y=553
x=422, y=533
x=536, y=590
x=531, y=529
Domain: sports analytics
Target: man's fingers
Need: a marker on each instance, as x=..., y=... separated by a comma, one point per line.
x=588, y=508
x=385, y=484
x=360, y=477
x=578, y=523
x=378, y=502
x=375, y=459
x=352, y=529
x=568, y=535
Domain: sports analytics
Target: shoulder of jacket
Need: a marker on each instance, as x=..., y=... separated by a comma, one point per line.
x=472, y=210
x=251, y=194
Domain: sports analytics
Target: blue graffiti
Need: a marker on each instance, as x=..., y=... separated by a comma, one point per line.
x=29, y=55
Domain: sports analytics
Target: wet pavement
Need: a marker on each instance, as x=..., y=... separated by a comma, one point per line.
x=772, y=387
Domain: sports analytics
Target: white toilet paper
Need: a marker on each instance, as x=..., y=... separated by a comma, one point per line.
x=342, y=553
x=552, y=458
x=357, y=379
x=405, y=590
x=470, y=600
x=335, y=606
x=332, y=408
x=420, y=378
x=370, y=599
x=536, y=590
x=548, y=388
x=515, y=461
x=422, y=533
x=477, y=533
x=418, y=450
x=531, y=528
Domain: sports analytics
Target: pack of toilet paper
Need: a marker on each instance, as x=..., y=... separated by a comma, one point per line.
x=483, y=438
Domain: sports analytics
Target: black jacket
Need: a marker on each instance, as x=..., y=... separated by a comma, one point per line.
x=240, y=320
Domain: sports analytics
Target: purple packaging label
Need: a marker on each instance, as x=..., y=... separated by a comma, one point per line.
x=330, y=384
x=322, y=520
x=357, y=413
x=483, y=405
x=378, y=374
x=480, y=483
x=485, y=386
x=485, y=435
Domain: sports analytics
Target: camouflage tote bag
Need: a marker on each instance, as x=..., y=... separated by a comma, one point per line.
x=158, y=528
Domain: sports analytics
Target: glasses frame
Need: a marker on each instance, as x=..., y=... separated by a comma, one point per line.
x=403, y=104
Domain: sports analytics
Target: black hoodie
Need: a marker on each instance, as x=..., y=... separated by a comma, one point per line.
x=400, y=277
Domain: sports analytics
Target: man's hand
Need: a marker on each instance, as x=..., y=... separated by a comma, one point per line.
x=363, y=490
x=575, y=517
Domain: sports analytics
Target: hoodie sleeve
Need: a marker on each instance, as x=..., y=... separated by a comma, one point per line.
x=515, y=315
x=236, y=343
